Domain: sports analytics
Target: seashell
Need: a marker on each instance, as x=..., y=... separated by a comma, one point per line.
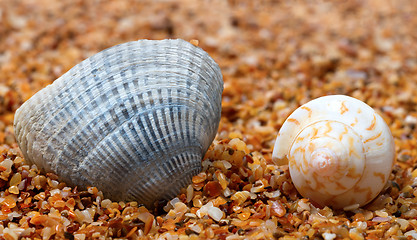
x=134, y=120
x=340, y=152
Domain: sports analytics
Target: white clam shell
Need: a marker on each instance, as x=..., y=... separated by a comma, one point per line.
x=134, y=120
x=339, y=150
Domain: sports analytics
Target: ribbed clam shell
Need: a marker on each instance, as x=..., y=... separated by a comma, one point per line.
x=135, y=120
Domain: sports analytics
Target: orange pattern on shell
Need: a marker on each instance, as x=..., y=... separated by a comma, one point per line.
x=343, y=108
x=354, y=123
x=373, y=123
x=373, y=138
x=307, y=109
x=293, y=120
x=380, y=175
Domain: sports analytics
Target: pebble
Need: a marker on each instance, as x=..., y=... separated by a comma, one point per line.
x=329, y=236
x=215, y=213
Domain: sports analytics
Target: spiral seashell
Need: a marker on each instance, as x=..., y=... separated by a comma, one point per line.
x=339, y=150
x=134, y=120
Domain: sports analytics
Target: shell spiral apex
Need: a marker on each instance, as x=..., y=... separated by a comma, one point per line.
x=134, y=120
x=340, y=152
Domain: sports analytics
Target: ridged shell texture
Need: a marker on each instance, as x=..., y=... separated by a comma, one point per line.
x=135, y=120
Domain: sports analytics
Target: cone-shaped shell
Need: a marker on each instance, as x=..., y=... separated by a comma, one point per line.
x=135, y=120
x=339, y=150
